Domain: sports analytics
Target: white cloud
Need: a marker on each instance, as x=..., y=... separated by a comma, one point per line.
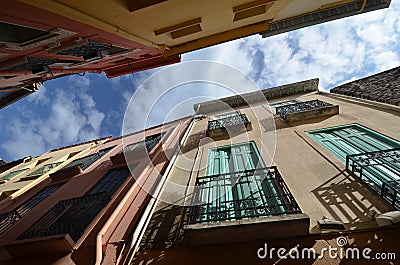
x=386, y=60
x=334, y=52
x=25, y=141
x=70, y=118
x=79, y=82
x=40, y=96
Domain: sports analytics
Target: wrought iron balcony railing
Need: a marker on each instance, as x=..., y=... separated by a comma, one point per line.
x=7, y=219
x=87, y=161
x=283, y=111
x=70, y=216
x=380, y=170
x=228, y=122
x=149, y=143
x=241, y=195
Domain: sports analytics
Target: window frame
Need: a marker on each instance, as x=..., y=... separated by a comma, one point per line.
x=221, y=196
x=24, y=208
x=50, y=36
x=380, y=136
x=37, y=173
x=293, y=101
x=85, y=165
x=95, y=201
x=20, y=171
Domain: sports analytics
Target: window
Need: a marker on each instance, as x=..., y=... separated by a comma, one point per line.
x=369, y=155
x=13, y=174
x=111, y=181
x=283, y=103
x=239, y=186
x=19, y=37
x=227, y=115
x=18, y=34
x=87, y=161
x=44, y=169
x=352, y=139
x=9, y=218
x=149, y=142
x=72, y=216
x=152, y=140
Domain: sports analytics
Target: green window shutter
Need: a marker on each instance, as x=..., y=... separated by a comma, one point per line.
x=352, y=139
x=376, y=169
x=283, y=103
x=234, y=190
x=44, y=169
x=233, y=159
x=227, y=115
x=13, y=174
x=219, y=161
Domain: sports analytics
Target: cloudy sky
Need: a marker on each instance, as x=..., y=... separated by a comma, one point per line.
x=73, y=109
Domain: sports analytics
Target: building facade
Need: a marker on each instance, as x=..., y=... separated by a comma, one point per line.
x=43, y=40
x=298, y=171
x=80, y=213
x=195, y=25
x=289, y=167
x=37, y=45
x=33, y=170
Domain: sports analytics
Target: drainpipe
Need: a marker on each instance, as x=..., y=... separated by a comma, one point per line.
x=110, y=27
x=150, y=209
x=99, y=238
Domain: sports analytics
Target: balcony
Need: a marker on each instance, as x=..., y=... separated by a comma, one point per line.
x=78, y=166
x=7, y=219
x=256, y=203
x=137, y=151
x=379, y=170
x=241, y=206
x=68, y=217
x=226, y=126
x=306, y=110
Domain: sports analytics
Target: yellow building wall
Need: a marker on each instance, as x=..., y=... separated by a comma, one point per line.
x=22, y=182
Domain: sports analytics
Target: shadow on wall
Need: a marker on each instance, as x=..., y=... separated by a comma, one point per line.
x=163, y=228
x=347, y=200
x=193, y=142
x=382, y=241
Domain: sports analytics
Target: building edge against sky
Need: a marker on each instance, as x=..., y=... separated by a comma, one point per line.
x=121, y=37
x=335, y=156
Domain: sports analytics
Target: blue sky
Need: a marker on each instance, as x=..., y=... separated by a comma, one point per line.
x=76, y=108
